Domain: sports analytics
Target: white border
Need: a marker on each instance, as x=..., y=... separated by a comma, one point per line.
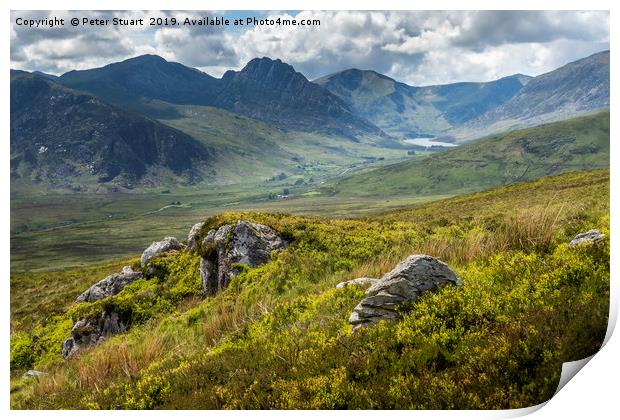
x=594, y=392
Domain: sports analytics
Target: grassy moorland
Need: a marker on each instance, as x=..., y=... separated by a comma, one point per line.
x=278, y=337
x=60, y=231
x=245, y=148
x=321, y=175
x=83, y=221
x=515, y=156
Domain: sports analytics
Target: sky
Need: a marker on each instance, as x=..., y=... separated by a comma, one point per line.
x=415, y=47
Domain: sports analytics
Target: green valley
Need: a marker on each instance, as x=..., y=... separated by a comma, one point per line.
x=259, y=240
x=520, y=155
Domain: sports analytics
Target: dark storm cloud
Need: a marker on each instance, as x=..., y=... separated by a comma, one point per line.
x=491, y=28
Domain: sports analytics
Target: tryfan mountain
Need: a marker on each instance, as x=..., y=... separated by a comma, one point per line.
x=150, y=122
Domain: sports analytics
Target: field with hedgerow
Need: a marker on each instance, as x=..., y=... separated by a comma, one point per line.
x=278, y=336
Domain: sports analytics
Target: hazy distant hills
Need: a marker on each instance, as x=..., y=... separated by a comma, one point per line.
x=464, y=111
x=59, y=134
x=576, y=88
x=409, y=111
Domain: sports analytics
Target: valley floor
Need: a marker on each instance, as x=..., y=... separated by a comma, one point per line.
x=59, y=231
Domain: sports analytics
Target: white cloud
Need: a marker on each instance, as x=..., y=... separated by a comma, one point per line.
x=421, y=47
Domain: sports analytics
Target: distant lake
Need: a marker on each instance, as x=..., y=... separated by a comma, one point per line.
x=428, y=142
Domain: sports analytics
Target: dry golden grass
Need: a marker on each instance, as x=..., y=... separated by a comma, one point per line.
x=470, y=234
x=526, y=230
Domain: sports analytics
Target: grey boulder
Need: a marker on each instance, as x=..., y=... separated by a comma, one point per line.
x=34, y=373
x=410, y=278
x=244, y=243
x=88, y=332
x=160, y=247
x=588, y=237
x=362, y=281
x=109, y=286
x=192, y=236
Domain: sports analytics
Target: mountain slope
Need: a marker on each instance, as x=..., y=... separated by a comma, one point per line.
x=579, y=143
x=133, y=82
x=278, y=336
x=410, y=111
x=461, y=102
x=58, y=134
x=273, y=91
x=265, y=89
x=576, y=88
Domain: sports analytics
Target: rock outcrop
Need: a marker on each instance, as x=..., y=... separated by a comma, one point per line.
x=228, y=247
x=34, y=374
x=159, y=247
x=192, y=236
x=110, y=286
x=590, y=236
x=362, y=281
x=410, y=278
x=91, y=331
x=225, y=252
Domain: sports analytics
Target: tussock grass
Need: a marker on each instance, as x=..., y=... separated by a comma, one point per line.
x=530, y=230
x=278, y=336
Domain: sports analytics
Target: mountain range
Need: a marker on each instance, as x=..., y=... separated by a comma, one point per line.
x=410, y=111
x=578, y=87
x=265, y=89
x=146, y=115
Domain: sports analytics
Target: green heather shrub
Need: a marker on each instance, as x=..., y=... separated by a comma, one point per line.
x=22, y=353
x=48, y=339
x=278, y=337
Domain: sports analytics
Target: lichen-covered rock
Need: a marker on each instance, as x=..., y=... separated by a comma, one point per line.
x=413, y=276
x=590, y=236
x=34, y=373
x=229, y=247
x=192, y=236
x=159, y=247
x=109, y=286
x=91, y=331
x=362, y=281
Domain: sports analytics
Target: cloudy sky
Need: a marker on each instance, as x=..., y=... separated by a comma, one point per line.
x=418, y=47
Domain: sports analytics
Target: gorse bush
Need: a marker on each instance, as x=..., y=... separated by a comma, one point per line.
x=22, y=353
x=278, y=337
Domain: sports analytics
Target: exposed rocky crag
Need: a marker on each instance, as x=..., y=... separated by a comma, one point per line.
x=192, y=236
x=91, y=331
x=410, y=278
x=227, y=249
x=59, y=133
x=157, y=248
x=588, y=237
x=110, y=286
